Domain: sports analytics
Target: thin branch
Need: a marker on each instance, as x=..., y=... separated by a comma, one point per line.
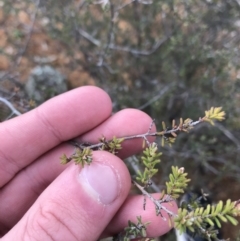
x=23, y=50
x=157, y=97
x=11, y=107
x=180, y=127
x=157, y=45
x=124, y=5
x=89, y=37
x=133, y=51
x=228, y=134
x=218, y=159
x=110, y=35
x=29, y=34
x=10, y=116
x=134, y=163
x=80, y=5
x=157, y=202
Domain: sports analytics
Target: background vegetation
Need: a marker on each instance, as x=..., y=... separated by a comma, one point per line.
x=169, y=58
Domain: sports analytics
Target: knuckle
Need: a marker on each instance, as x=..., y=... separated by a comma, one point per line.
x=50, y=224
x=45, y=121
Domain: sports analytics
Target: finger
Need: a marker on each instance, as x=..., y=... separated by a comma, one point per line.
x=125, y=123
x=28, y=184
x=25, y=138
x=79, y=204
x=133, y=208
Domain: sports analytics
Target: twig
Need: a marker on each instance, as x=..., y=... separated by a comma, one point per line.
x=80, y=5
x=11, y=107
x=228, y=134
x=155, y=98
x=98, y=43
x=142, y=136
x=142, y=52
x=110, y=35
x=23, y=50
x=157, y=203
x=134, y=163
x=29, y=34
x=89, y=37
x=124, y=5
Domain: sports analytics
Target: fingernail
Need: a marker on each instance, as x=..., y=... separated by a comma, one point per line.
x=100, y=181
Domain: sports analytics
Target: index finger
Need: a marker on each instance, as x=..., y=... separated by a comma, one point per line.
x=66, y=116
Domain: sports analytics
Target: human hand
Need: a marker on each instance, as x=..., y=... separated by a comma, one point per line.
x=43, y=200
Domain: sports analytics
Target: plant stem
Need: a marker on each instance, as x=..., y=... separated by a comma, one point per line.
x=157, y=203
x=143, y=136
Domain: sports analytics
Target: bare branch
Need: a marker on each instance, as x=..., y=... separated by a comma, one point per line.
x=157, y=202
x=228, y=134
x=110, y=35
x=29, y=34
x=21, y=52
x=133, y=51
x=89, y=37
x=176, y=129
x=141, y=52
x=157, y=97
x=124, y=5
x=10, y=106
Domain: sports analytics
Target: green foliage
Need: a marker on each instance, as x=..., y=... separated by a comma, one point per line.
x=81, y=157
x=64, y=159
x=112, y=146
x=150, y=159
x=169, y=135
x=133, y=231
x=193, y=217
x=181, y=55
x=187, y=124
x=200, y=219
x=215, y=113
x=18, y=34
x=178, y=182
x=169, y=140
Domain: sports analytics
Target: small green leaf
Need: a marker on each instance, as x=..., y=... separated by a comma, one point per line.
x=232, y=220
x=164, y=125
x=223, y=219
x=210, y=221
x=64, y=159
x=217, y=222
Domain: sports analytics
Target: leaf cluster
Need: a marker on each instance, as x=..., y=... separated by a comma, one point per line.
x=133, y=231
x=113, y=146
x=150, y=159
x=195, y=218
x=205, y=219
x=169, y=135
x=215, y=113
x=81, y=157
x=177, y=182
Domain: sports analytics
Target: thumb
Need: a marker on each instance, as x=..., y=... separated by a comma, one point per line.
x=79, y=204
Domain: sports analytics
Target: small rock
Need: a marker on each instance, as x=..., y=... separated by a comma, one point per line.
x=45, y=82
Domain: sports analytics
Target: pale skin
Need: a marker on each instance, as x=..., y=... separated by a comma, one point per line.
x=40, y=199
